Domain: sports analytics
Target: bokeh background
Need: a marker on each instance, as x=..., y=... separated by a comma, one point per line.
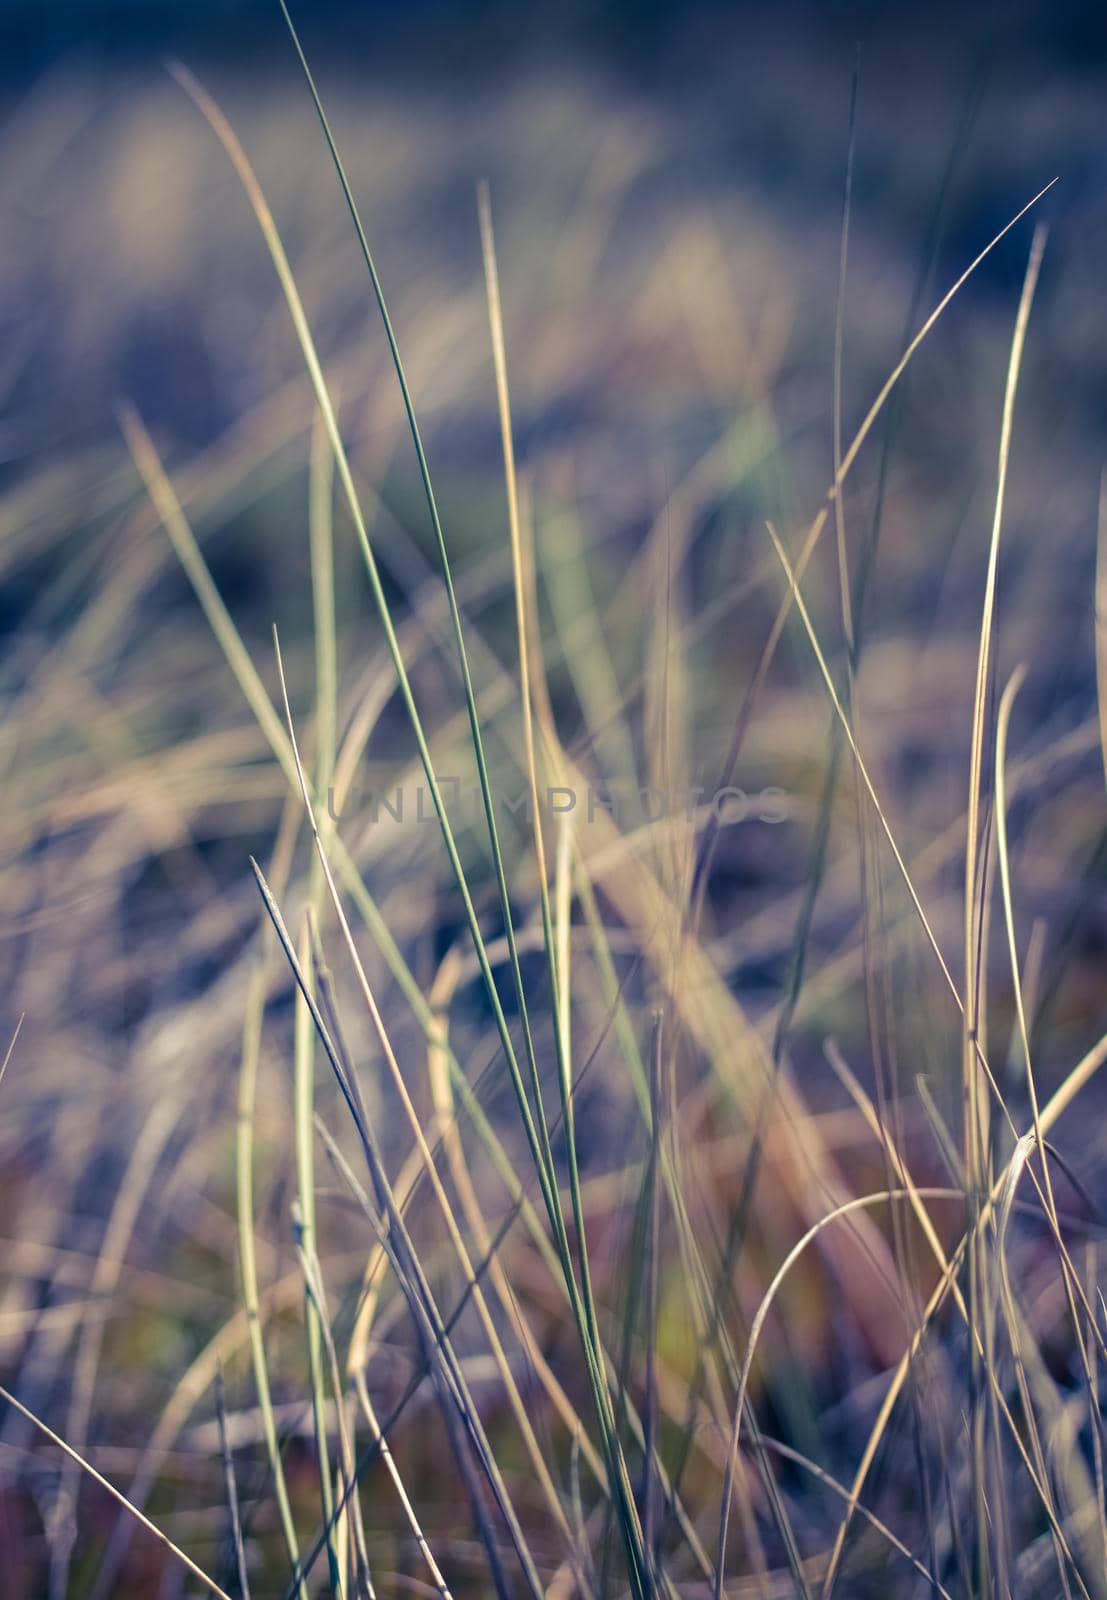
x=667, y=184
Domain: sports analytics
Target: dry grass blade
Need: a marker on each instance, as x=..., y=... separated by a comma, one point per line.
x=839, y=711
x=11, y=1047
x=975, y=1138
x=130, y=1198
x=381, y=1443
x=975, y=1130
x=425, y=1153
x=1077, y=1079
x=252, y=1024
x=382, y=1430
x=839, y=341
x=533, y=1117
x=637, y=1557
x=168, y=507
x=209, y=1584
x=232, y=1488
x=815, y=531
x=846, y=1209
x=457, y=1406
x=456, y=1403
x=348, y=1510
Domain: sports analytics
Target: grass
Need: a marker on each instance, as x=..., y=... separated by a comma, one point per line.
x=555, y=1199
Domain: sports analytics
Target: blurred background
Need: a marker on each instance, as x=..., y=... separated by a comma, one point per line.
x=667, y=184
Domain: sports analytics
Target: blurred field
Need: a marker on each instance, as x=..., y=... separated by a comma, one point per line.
x=668, y=217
